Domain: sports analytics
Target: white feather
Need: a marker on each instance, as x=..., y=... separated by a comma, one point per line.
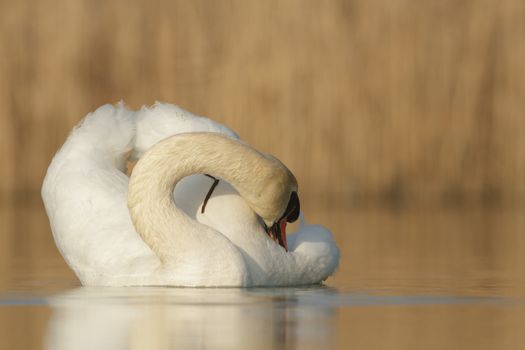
x=85, y=195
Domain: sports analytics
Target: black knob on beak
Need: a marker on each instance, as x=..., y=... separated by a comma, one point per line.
x=293, y=209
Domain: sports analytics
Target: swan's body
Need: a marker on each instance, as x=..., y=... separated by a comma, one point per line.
x=86, y=197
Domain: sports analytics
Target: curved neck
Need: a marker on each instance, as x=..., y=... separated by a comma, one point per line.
x=164, y=227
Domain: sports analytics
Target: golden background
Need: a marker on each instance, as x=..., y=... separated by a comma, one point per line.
x=403, y=105
x=364, y=100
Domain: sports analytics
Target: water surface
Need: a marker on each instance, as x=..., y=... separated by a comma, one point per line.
x=408, y=280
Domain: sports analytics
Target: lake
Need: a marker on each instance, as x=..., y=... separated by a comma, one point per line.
x=409, y=279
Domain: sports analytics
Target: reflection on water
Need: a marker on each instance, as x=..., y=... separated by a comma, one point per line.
x=408, y=280
x=302, y=318
x=162, y=318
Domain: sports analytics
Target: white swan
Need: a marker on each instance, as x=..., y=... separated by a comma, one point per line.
x=85, y=193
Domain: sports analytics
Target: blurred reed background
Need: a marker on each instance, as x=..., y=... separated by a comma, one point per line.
x=367, y=101
x=371, y=103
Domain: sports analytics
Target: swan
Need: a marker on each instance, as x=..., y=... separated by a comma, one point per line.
x=151, y=229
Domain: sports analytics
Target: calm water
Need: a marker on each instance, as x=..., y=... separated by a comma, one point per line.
x=408, y=280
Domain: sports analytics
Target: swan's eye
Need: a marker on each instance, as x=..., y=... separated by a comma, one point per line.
x=294, y=207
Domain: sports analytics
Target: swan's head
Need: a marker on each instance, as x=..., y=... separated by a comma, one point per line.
x=274, y=197
x=277, y=230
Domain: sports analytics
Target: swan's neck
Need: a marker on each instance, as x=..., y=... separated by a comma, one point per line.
x=166, y=229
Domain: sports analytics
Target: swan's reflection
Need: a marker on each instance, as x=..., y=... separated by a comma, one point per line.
x=163, y=318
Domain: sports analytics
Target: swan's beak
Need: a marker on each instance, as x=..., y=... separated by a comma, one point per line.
x=277, y=232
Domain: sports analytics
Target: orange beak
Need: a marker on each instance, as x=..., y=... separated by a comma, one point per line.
x=277, y=232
